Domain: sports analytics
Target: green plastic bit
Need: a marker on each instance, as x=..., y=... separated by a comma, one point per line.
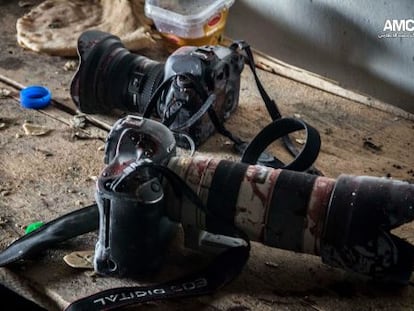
x=33, y=226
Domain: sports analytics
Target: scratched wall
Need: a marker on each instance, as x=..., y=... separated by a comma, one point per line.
x=336, y=39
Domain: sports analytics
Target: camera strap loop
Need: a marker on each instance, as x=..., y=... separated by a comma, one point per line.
x=270, y=103
x=149, y=109
x=301, y=157
x=222, y=129
x=181, y=137
x=281, y=128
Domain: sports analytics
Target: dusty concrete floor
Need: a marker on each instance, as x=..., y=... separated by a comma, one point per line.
x=46, y=176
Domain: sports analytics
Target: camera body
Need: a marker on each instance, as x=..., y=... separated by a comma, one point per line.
x=110, y=77
x=216, y=70
x=134, y=229
x=145, y=192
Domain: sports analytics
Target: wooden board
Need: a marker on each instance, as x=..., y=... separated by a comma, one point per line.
x=43, y=177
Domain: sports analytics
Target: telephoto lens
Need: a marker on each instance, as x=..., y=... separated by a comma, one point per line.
x=111, y=77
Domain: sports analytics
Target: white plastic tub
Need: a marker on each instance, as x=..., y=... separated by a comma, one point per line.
x=186, y=22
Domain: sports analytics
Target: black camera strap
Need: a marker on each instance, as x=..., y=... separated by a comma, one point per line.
x=221, y=270
x=282, y=128
x=70, y=225
x=271, y=106
x=226, y=266
x=303, y=159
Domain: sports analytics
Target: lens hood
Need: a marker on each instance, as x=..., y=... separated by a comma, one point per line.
x=93, y=47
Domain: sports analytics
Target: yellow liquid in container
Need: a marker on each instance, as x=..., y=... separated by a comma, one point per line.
x=194, y=23
x=213, y=33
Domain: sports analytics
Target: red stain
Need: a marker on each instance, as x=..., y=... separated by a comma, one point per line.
x=201, y=166
x=263, y=198
x=320, y=196
x=250, y=176
x=214, y=20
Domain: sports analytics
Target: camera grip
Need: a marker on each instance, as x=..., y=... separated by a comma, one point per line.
x=133, y=231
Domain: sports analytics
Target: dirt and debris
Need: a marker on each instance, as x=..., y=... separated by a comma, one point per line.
x=25, y=4
x=46, y=176
x=271, y=264
x=4, y=193
x=82, y=135
x=4, y=93
x=397, y=166
x=328, y=131
x=368, y=144
x=31, y=129
x=70, y=65
x=78, y=121
x=45, y=153
x=3, y=221
x=80, y=259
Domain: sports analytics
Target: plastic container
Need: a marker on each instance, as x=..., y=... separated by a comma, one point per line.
x=186, y=22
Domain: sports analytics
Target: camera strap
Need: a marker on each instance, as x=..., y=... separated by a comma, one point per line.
x=282, y=128
x=303, y=159
x=224, y=268
x=70, y=225
x=270, y=104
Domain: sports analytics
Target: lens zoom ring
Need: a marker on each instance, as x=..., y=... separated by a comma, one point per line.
x=153, y=80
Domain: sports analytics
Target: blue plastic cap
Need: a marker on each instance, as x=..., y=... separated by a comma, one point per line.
x=35, y=97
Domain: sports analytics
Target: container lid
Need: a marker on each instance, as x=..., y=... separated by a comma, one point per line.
x=184, y=12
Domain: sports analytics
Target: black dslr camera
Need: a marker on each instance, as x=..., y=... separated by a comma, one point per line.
x=194, y=88
x=145, y=191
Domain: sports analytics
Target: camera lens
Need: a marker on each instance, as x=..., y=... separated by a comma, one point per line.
x=111, y=77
